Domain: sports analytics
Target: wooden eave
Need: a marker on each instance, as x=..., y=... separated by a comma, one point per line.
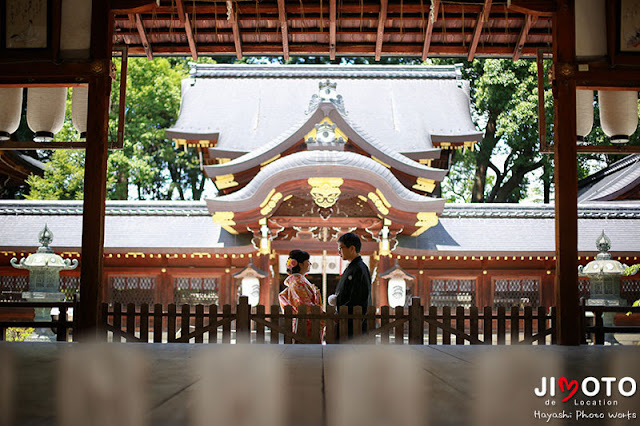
x=377, y=29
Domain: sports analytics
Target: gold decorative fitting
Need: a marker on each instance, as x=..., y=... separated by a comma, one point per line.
x=380, y=205
x=271, y=204
x=384, y=200
x=426, y=161
x=425, y=221
x=329, y=133
x=225, y=219
x=381, y=162
x=423, y=184
x=270, y=160
x=225, y=181
x=267, y=198
x=325, y=191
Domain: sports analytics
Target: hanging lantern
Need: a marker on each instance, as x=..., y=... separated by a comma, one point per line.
x=618, y=114
x=10, y=109
x=79, y=106
x=591, y=29
x=75, y=29
x=584, y=113
x=45, y=111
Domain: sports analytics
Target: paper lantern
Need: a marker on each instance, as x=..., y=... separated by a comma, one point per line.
x=397, y=292
x=584, y=113
x=618, y=114
x=45, y=111
x=75, y=32
x=79, y=106
x=591, y=29
x=10, y=109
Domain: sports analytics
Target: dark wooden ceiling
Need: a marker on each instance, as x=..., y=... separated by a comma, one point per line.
x=334, y=28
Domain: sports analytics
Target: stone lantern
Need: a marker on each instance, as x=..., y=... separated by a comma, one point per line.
x=604, y=273
x=250, y=285
x=44, y=278
x=397, y=285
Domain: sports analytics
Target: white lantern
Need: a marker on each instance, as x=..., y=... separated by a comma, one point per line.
x=584, y=113
x=251, y=289
x=397, y=292
x=10, y=111
x=618, y=114
x=591, y=29
x=75, y=30
x=45, y=111
x=79, y=106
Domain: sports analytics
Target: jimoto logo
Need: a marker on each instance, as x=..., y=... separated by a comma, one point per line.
x=589, y=386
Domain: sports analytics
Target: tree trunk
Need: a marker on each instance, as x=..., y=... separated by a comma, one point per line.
x=482, y=160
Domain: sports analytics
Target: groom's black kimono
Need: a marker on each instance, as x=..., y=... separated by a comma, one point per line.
x=354, y=289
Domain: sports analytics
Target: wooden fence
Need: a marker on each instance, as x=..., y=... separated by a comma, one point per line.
x=593, y=325
x=396, y=326
x=62, y=326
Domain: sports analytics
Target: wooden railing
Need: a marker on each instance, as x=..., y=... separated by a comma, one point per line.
x=593, y=325
x=396, y=326
x=62, y=326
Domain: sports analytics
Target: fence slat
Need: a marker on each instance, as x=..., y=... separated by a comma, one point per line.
x=144, y=323
x=117, y=321
x=213, y=318
x=171, y=323
x=199, y=322
x=104, y=321
x=599, y=322
x=433, y=329
x=131, y=320
x=157, y=323
x=398, y=335
x=274, y=337
x=416, y=322
x=528, y=323
x=473, y=323
x=384, y=320
x=259, y=326
x=226, y=327
x=301, y=327
x=357, y=324
x=542, y=325
x=343, y=324
x=460, y=325
x=554, y=323
x=330, y=336
x=487, y=326
x=61, y=331
x=371, y=325
x=502, y=328
x=316, y=336
x=243, y=329
x=288, y=322
x=185, y=323
x=446, y=320
x=515, y=325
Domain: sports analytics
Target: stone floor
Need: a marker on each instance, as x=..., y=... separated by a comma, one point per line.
x=315, y=385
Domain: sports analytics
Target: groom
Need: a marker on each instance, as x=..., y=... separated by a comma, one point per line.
x=354, y=287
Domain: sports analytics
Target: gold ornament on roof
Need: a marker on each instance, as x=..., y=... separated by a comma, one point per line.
x=325, y=191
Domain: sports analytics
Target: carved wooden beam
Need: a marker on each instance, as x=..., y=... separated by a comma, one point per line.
x=232, y=17
x=143, y=37
x=427, y=37
x=282, y=16
x=181, y=11
x=534, y=7
x=528, y=22
x=382, y=18
x=132, y=6
x=482, y=18
x=332, y=29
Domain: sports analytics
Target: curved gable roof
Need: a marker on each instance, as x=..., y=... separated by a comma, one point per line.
x=325, y=164
x=294, y=135
x=247, y=105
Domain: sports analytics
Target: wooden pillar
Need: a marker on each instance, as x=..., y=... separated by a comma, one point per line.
x=262, y=262
x=566, y=176
x=95, y=177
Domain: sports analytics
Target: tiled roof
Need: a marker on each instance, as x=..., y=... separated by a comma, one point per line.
x=187, y=226
x=400, y=106
x=611, y=182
